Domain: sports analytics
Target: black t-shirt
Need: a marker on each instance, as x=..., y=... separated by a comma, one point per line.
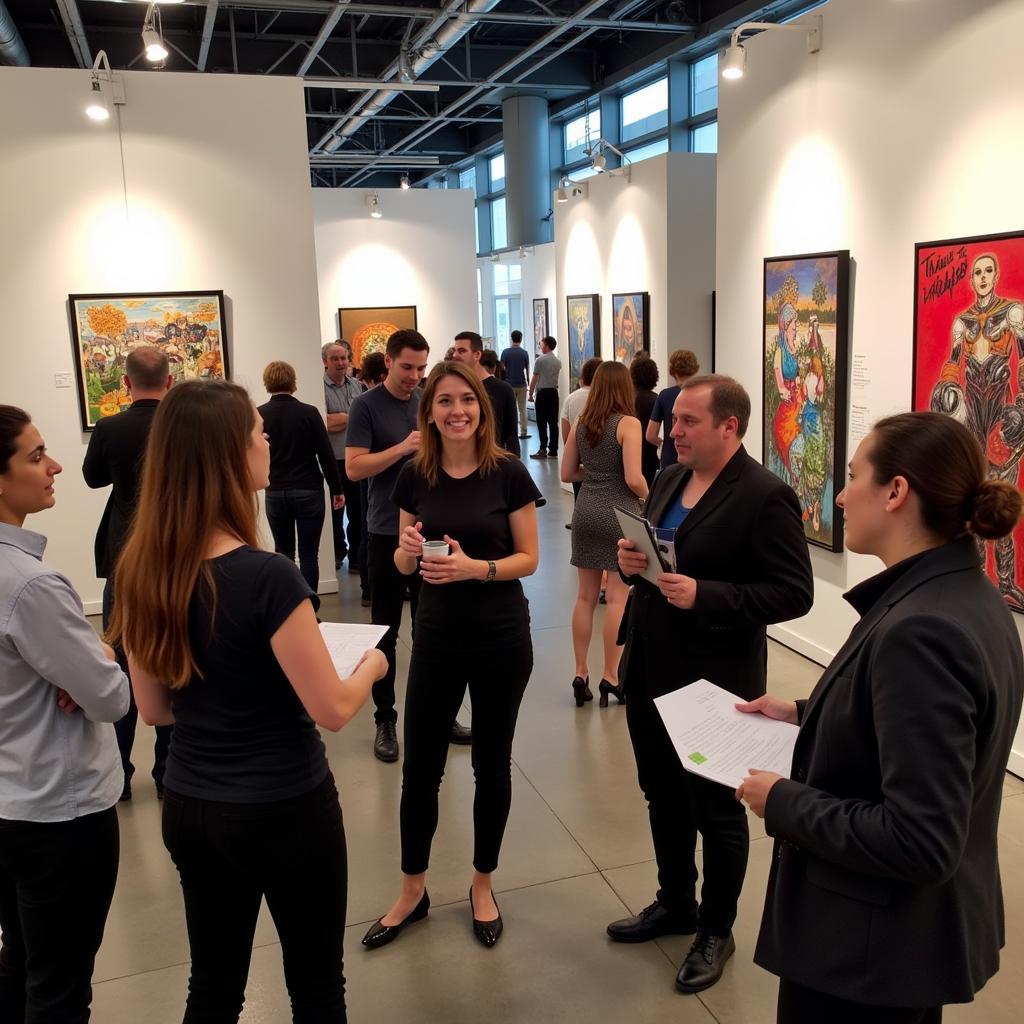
x=474, y=511
x=241, y=734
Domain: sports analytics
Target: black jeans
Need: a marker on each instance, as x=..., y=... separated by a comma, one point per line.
x=799, y=1005
x=231, y=856
x=680, y=805
x=364, y=537
x=125, y=728
x=546, y=406
x=387, y=594
x=298, y=512
x=437, y=682
x=347, y=543
x=56, y=883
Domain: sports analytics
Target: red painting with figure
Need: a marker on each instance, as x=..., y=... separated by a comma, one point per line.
x=969, y=362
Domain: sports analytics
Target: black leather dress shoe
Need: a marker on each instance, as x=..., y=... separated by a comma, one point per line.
x=651, y=923
x=487, y=932
x=705, y=962
x=381, y=934
x=385, y=746
x=461, y=734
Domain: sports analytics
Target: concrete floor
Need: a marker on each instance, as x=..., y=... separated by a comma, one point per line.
x=577, y=855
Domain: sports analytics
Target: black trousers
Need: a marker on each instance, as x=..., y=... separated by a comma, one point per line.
x=680, y=805
x=231, y=856
x=387, y=594
x=124, y=729
x=347, y=542
x=364, y=537
x=437, y=682
x=301, y=513
x=56, y=883
x=546, y=406
x=799, y=1005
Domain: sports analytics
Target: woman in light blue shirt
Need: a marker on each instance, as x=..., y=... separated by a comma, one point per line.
x=60, y=773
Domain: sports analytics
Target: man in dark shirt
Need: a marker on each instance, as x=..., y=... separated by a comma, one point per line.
x=468, y=350
x=114, y=456
x=516, y=361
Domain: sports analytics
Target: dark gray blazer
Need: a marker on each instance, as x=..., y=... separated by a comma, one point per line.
x=884, y=888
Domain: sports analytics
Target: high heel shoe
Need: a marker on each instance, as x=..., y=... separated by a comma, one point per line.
x=581, y=690
x=487, y=932
x=605, y=688
x=381, y=934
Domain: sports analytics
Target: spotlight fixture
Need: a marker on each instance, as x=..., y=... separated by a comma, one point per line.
x=97, y=108
x=734, y=59
x=373, y=202
x=151, y=37
x=405, y=183
x=599, y=161
x=562, y=192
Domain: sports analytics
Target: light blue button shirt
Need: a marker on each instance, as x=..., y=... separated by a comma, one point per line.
x=53, y=766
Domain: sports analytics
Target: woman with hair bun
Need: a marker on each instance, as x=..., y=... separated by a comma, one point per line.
x=884, y=899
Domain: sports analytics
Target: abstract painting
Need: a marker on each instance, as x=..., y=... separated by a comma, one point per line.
x=806, y=318
x=630, y=325
x=540, y=323
x=969, y=362
x=188, y=326
x=367, y=328
x=584, y=321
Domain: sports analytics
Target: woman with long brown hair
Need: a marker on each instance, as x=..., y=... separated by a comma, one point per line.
x=222, y=641
x=472, y=625
x=604, y=452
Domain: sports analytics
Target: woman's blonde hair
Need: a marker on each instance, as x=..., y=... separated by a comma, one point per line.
x=428, y=460
x=195, y=480
x=611, y=393
x=278, y=377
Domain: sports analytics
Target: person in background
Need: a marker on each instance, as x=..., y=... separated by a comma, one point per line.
x=682, y=365
x=115, y=457
x=464, y=489
x=340, y=391
x=571, y=409
x=295, y=495
x=516, y=361
x=469, y=350
x=60, y=774
x=886, y=833
x=607, y=441
x=372, y=374
x=544, y=384
x=644, y=372
x=251, y=809
x=742, y=563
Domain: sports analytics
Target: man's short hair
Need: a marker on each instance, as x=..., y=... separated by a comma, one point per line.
x=279, y=376
x=683, y=363
x=147, y=367
x=327, y=346
x=407, y=338
x=374, y=369
x=728, y=398
x=476, y=343
x=489, y=359
x=550, y=342
x=517, y=337
x=587, y=371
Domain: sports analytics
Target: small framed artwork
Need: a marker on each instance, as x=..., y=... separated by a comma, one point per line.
x=968, y=343
x=631, y=325
x=188, y=326
x=367, y=328
x=583, y=313
x=540, y=323
x=805, y=319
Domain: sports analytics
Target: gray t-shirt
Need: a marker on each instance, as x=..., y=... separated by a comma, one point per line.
x=339, y=398
x=547, y=368
x=378, y=421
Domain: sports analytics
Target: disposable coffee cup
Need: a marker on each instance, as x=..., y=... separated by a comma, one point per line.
x=434, y=549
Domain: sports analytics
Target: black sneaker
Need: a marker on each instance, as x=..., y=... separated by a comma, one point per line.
x=705, y=962
x=385, y=746
x=651, y=923
x=539, y=455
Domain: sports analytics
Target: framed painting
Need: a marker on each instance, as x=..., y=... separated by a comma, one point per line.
x=806, y=321
x=367, y=328
x=540, y=324
x=583, y=316
x=969, y=361
x=188, y=326
x=631, y=325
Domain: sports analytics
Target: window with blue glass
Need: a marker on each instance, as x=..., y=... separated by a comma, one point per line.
x=497, y=171
x=704, y=85
x=645, y=110
x=579, y=133
x=705, y=138
x=499, y=225
x=638, y=153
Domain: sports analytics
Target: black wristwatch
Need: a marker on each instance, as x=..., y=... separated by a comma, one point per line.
x=492, y=570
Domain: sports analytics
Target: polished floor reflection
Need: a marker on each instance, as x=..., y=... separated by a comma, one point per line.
x=577, y=855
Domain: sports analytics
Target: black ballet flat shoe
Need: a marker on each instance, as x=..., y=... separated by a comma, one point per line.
x=487, y=932
x=381, y=934
x=604, y=688
x=581, y=690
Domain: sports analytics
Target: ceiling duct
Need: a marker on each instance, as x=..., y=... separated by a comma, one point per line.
x=12, y=47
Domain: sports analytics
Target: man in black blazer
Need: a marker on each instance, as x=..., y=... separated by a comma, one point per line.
x=114, y=457
x=742, y=563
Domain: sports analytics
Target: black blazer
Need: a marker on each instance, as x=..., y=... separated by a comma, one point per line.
x=744, y=544
x=298, y=441
x=114, y=456
x=885, y=884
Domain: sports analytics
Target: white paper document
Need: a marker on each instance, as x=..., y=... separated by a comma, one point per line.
x=718, y=742
x=346, y=642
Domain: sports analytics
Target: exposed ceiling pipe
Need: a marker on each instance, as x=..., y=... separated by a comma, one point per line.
x=12, y=47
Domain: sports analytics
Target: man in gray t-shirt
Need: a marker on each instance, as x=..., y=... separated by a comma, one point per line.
x=544, y=383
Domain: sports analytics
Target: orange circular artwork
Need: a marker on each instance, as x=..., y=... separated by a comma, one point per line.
x=371, y=338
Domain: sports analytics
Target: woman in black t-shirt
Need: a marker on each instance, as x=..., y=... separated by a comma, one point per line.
x=222, y=642
x=472, y=625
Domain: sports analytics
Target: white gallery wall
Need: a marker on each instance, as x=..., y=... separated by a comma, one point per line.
x=205, y=187
x=871, y=145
